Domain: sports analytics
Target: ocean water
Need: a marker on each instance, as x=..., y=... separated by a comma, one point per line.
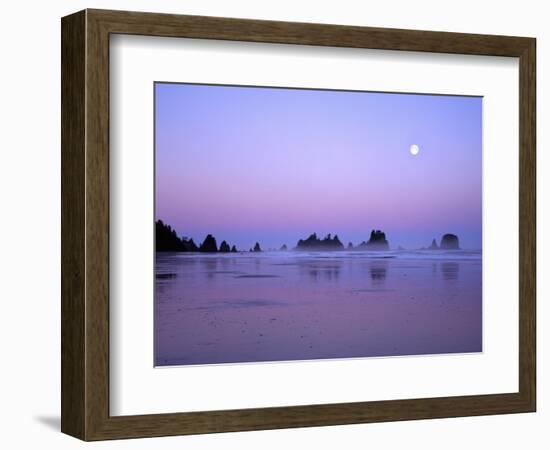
x=281, y=306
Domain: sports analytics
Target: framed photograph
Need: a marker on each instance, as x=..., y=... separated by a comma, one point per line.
x=270, y=224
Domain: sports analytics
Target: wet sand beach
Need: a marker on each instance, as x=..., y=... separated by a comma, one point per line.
x=279, y=306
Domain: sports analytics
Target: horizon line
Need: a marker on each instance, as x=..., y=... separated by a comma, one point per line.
x=332, y=236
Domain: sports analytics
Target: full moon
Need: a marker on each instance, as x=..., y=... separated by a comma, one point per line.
x=414, y=149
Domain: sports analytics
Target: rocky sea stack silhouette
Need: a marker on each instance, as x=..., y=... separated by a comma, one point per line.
x=314, y=243
x=224, y=247
x=377, y=241
x=167, y=240
x=449, y=242
x=433, y=245
x=209, y=245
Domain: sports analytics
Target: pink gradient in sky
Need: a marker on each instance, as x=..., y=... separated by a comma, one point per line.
x=273, y=165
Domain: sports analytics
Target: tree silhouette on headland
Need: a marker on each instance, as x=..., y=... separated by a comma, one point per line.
x=167, y=240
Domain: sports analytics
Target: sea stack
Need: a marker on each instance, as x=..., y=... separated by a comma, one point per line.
x=377, y=241
x=209, y=245
x=233, y=249
x=449, y=242
x=433, y=246
x=224, y=247
x=314, y=243
x=257, y=247
x=284, y=248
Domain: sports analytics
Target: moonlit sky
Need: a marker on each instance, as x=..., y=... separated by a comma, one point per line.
x=271, y=165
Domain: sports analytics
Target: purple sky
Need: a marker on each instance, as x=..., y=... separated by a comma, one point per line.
x=274, y=165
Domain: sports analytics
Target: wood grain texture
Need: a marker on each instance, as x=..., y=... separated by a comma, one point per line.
x=151, y=24
x=527, y=224
x=73, y=109
x=85, y=224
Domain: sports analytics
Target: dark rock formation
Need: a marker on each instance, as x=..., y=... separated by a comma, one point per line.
x=377, y=241
x=257, y=247
x=233, y=249
x=284, y=248
x=336, y=244
x=449, y=242
x=190, y=246
x=209, y=245
x=224, y=247
x=350, y=246
x=314, y=243
x=433, y=246
x=166, y=240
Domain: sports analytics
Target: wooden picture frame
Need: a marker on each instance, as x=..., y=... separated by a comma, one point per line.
x=85, y=224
